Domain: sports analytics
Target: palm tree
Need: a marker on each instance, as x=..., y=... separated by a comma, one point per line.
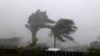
x=38, y=20
x=62, y=29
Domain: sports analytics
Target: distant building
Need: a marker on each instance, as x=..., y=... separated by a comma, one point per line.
x=9, y=42
x=76, y=48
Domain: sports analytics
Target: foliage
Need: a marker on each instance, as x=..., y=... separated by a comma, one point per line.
x=37, y=50
x=94, y=48
x=63, y=28
x=93, y=52
x=38, y=20
x=33, y=44
x=20, y=50
x=95, y=44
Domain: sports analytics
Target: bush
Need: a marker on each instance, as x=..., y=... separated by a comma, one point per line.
x=93, y=52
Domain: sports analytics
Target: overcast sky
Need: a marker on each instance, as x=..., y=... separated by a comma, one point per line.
x=85, y=13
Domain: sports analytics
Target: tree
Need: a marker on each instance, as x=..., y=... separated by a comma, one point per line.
x=36, y=50
x=63, y=28
x=38, y=20
x=95, y=44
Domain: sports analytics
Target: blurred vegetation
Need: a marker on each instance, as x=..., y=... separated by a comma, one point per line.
x=93, y=52
x=21, y=51
x=95, y=44
x=62, y=28
x=38, y=20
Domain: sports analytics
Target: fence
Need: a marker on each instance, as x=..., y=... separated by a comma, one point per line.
x=64, y=53
x=9, y=52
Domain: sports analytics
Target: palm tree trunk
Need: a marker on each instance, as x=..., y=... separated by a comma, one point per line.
x=34, y=32
x=33, y=35
x=54, y=42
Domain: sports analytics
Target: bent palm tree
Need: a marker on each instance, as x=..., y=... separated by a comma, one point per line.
x=62, y=29
x=38, y=20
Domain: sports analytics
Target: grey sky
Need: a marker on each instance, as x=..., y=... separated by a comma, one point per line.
x=14, y=15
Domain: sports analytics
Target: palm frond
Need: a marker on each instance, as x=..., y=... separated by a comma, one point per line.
x=59, y=37
x=68, y=37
